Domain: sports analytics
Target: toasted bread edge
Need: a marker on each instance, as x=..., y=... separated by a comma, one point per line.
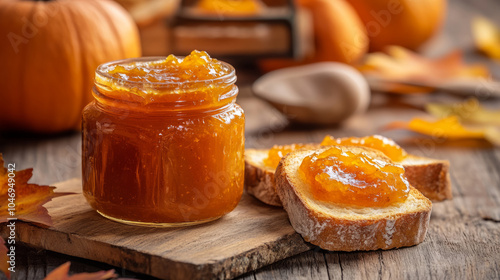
x=259, y=183
x=432, y=180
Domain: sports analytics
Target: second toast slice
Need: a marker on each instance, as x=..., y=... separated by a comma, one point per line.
x=344, y=228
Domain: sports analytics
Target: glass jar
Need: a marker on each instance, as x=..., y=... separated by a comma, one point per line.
x=163, y=153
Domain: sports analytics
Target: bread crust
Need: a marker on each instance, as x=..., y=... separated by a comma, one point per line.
x=259, y=179
x=259, y=182
x=403, y=228
x=432, y=179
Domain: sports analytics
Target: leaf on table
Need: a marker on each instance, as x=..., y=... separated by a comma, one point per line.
x=486, y=37
x=29, y=198
x=448, y=128
x=4, y=265
x=61, y=273
x=469, y=111
x=399, y=66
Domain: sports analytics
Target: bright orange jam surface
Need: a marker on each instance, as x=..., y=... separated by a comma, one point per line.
x=196, y=78
x=167, y=152
x=196, y=66
x=385, y=145
x=356, y=179
x=277, y=152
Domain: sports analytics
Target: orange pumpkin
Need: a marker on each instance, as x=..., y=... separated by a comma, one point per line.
x=339, y=34
x=406, y=23
x=48, y=55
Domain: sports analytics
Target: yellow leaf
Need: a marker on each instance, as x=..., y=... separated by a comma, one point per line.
x=492, y=134
x=486, y=37
x=448, y=128
x=399, y=65
x=26, y=200
x=470, y=112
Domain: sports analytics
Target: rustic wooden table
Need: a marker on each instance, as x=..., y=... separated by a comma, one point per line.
x=463, y=241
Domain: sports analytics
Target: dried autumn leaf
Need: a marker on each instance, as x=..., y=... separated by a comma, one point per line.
x=29, y=198
x=4, y=265
x=61, y=273
x=449, y=128
x=402, y=71
x=486, y=37
x=469, y=111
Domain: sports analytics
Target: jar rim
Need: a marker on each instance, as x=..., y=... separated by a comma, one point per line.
x=175, y=94
x=229, y=77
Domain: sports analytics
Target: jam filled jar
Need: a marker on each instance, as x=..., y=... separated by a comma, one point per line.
x=163, y=141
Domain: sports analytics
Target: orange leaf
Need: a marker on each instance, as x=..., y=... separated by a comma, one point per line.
x=4, y=265
x=448, y=127
x=61, y=273
x=27, y=199
x=486, y=37
x=398, y=69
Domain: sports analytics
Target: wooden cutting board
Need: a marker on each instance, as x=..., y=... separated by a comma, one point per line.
x=251, y=236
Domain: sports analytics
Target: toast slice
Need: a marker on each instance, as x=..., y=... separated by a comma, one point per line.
x=343, y=228
x=259, y=178
x=430, y=176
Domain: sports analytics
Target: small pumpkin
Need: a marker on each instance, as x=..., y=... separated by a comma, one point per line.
x=406, y=23
x=49, y=53
x=339, y=34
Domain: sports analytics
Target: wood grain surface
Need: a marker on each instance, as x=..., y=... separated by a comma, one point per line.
x=463, y=241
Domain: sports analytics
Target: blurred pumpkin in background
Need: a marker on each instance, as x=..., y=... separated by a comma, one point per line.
x=48, y=55
x=406, y=23
x=338, y=31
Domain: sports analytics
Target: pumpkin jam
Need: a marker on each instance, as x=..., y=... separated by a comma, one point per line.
x=340, y=176
x=163, y=141
x=385, y=145
x=196, y=66
x=277, y=152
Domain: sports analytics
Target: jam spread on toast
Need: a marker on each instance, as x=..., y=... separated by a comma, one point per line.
x=377, y=142
x=277, y=152
x=353, y=178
